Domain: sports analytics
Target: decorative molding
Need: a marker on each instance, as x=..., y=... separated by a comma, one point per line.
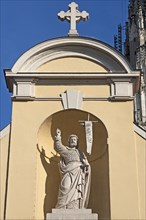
x=110, y=98
x=96, y=98
x=72, y=99
x=121, y=98
x=139, y=130
x=5, y=131
x=25, y=98
x=29, y=75
x=119, y=88
x=63, y=47
x=25, y=89
x=23, y=84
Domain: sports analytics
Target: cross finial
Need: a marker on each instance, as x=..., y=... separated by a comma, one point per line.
x=73, y=16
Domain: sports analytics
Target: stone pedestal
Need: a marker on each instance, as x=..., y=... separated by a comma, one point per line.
x=71, y=214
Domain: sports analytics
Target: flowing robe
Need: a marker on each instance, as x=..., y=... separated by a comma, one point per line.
x=75, y=182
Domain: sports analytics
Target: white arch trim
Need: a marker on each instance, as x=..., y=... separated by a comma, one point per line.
x=57, y=48
x=5, y=131
x=57, y=55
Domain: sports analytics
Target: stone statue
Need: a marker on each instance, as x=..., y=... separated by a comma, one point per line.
x=75, y=172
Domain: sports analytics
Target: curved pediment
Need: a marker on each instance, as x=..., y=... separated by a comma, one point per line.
x=86, y=55
x=71, y=64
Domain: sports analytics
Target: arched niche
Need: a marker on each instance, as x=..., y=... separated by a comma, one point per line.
x=69, y=123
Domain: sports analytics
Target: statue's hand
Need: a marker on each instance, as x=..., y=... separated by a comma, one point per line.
x=86, y=165
x=87, y=169
x=58, y=132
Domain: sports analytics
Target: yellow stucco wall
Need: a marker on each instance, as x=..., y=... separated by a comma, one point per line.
x=27, y=175
x=28, y=189
x=71, y=64
x=140, y=149
x=4, y=144
x=87, y=91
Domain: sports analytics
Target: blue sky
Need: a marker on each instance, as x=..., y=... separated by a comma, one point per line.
x=25, y=23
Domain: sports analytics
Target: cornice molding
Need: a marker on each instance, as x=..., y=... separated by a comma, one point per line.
x=9, y=73
x=121, y=84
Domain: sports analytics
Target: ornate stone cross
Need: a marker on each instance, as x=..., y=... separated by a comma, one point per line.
x=73, y=16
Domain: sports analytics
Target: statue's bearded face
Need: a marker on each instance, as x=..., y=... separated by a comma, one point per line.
x=73, y=141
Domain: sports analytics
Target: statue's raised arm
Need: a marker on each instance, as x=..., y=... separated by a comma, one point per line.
x=58, y=146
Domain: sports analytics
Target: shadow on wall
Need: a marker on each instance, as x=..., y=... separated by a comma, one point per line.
x=51, y=185
x=68, y=122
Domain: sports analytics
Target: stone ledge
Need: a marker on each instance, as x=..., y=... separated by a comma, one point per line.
x=71, y=214
x=71, y=211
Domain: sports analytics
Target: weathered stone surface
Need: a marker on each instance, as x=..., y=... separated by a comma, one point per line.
x=71, y=214
x=75, y=170
x=68, y=211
